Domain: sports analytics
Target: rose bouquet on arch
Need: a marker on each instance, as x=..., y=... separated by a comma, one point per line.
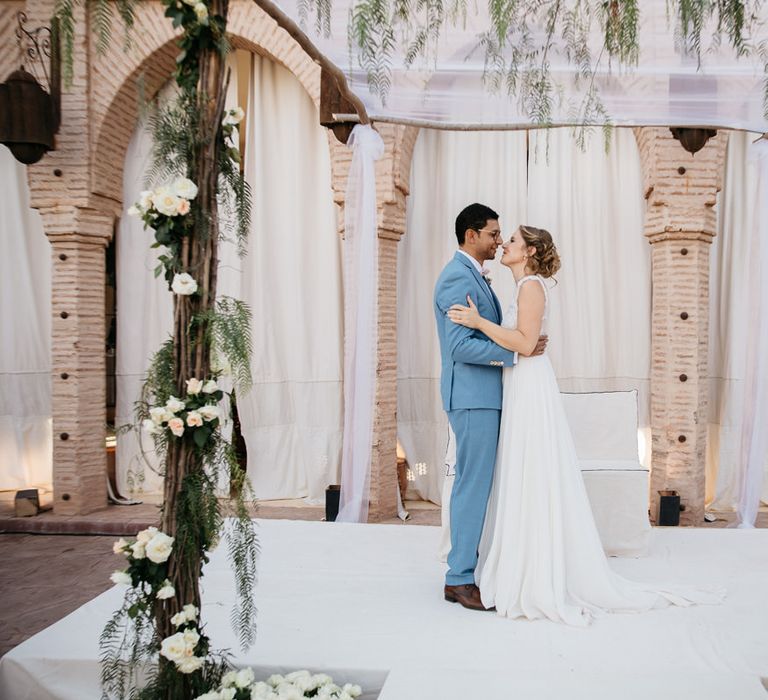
x=147, y=570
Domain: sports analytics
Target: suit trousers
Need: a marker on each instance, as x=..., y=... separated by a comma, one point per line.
x=477, y=434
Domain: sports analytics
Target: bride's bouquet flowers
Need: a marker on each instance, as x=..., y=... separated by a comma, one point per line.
x=195, y=416
x=242, y=685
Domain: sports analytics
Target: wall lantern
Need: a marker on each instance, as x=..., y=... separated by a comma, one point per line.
x=30, y=116
x=692, y=140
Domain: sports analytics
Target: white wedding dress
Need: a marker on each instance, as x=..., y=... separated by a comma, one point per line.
x=540, y=553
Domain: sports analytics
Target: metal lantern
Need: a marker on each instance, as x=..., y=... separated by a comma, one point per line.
x=29, y=116
x=692, y=139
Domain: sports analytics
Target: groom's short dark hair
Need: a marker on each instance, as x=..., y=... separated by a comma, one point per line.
x=475, y=216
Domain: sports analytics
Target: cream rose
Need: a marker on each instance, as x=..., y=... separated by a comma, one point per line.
x=145, y=536
x=183, y=207
x=179, y=619
x=228, y=679
x=149, y=426
x=194, y=419
x=119, y=546
x=202, y=12
x=166, y=591
x=184, y=187
x=189, y=664
x=174, y=405
x=191, y=612
x=244, y=678
x=177, y=426
x=210, y=387
x=166, y=203
x=233, y=117
x=183, y=284
x=209, y=412
x=133, y=210
x=160, y=414
x=122, y=578
x=137, y=550
x=159, y=548
x=194, y=386
x=172, y=648
x=145, y=199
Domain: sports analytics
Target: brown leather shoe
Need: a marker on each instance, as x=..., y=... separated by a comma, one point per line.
x=467, y=594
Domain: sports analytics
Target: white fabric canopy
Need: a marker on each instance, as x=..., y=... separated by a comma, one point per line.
x=26, y=450
x=664, y=89
x=592, y=204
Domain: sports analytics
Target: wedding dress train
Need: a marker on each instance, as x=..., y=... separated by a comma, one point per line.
x=540, y=553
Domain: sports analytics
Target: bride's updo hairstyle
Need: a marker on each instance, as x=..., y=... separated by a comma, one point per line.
x=545, y=261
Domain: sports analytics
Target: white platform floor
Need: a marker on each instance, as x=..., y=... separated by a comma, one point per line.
x=364, y=603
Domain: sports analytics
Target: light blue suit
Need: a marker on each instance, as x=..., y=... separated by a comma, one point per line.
x=470, y=386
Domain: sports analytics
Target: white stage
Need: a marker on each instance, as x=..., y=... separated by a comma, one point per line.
x=364, y=603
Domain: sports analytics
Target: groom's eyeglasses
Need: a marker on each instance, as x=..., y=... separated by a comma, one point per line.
x=496, y=235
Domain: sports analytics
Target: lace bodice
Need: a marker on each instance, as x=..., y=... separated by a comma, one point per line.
x=510, y=316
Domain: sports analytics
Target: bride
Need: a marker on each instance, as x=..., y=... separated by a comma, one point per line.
x=540, y=555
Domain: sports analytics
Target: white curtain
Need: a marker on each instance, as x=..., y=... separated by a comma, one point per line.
x=144, y=321
x=736, y=330
x=591, y=203
x=26, y=450
x=361, y=247
x=449, y=170
x=291, y=278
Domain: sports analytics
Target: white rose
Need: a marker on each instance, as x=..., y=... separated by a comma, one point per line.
x=244, y=678
x=179, y=619
x=145, y=536
x=191, y=612
x=228, y=679
x=233, y=117
x=228, y=693
x=210, y=387
x=202, y=13
x=191, y=638
x=167, y=591
x=159, y=414
x=150, y=427
x=194, y=419
x=174, y=405
x=177, y=426
x=183, y=284
x=137, y=550
x=189, y=664
x=145, y=199
x=194, y=386
x=352, y=690
x=262, y=691
x=185, y=188
x=275, y=679
x=159, y=548
x=122, y=578
x=119, y=546
x=287, y=691
x=296, y=675
x=209, y=412
x=133, y=210
x=166, y=203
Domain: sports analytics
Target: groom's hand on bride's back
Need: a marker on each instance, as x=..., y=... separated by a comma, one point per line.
x=541, y=346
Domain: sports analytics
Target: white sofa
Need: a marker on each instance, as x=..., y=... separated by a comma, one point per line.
x=604, y=428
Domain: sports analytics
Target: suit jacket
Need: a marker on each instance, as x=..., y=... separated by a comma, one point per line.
x=471, y=362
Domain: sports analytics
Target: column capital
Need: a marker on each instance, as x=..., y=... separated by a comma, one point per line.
x=75, y=224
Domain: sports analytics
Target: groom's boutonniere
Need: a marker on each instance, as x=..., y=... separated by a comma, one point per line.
x=486, y=273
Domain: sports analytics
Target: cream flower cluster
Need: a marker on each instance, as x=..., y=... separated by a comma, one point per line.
x=177, y=415
x=152, y=545
x=180, y=647
x=168, y=200
x=240, y=685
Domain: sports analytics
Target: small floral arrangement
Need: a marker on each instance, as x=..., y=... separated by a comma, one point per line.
x=242, y=685
x=147, y=556
x=165, y=209
x=198, y=415
x=187, y=648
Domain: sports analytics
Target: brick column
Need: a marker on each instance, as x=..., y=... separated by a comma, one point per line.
x=78, y=238
x=681, y=190
x=392, y=172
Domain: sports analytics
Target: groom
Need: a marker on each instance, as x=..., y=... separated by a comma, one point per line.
x=470, y=386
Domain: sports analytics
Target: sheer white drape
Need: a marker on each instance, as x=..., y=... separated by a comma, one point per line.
x=361, y=246
x=738, y=385
x=449, y=170
x=291, y=278
x=26, y=450
x=592, y=204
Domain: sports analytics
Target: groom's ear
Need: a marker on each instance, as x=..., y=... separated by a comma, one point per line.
x=470, y=235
